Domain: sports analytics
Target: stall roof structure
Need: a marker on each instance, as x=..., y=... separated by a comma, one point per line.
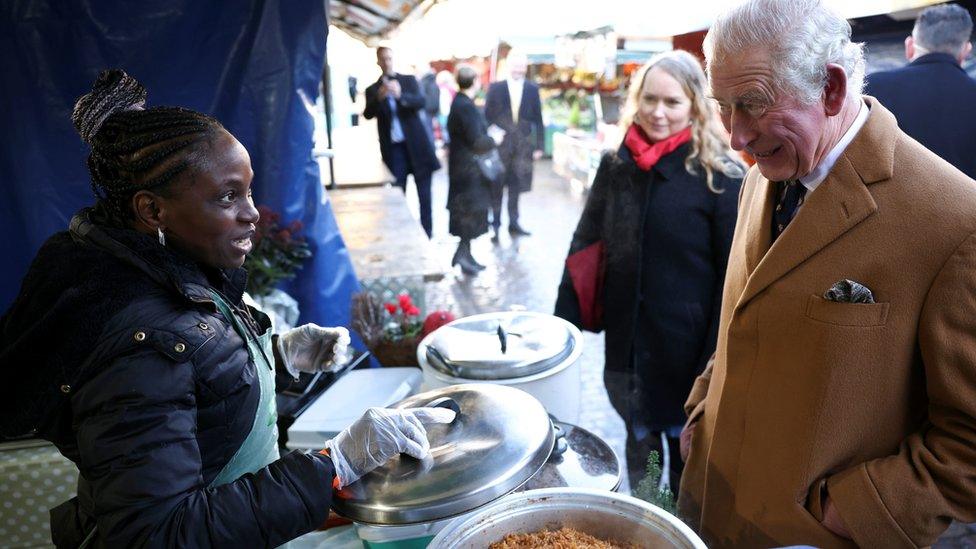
x=370, y=20
x=374, y=20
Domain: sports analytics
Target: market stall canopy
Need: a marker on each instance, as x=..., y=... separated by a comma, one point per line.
x=466, y=28
x=371, y=19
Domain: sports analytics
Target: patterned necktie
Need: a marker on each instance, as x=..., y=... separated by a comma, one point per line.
x=790, y=198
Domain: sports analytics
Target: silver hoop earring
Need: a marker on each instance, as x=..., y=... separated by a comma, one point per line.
x=162, y=237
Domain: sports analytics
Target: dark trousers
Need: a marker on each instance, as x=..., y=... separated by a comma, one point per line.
x=496, y=202
x=401, y=167
x=640, y=443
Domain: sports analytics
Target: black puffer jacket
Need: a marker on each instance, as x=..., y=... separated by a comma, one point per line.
x=115, y=352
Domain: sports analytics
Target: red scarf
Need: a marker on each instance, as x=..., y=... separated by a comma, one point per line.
x=646, y=153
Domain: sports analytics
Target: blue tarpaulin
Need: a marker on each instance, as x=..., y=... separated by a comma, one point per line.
x=255, y=65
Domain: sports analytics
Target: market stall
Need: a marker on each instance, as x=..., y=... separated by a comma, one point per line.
x=584, y=89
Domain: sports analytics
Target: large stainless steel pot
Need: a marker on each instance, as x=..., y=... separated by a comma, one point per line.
x=579, y=459
x=499, y=439
x=605, y=515
x=535, y=352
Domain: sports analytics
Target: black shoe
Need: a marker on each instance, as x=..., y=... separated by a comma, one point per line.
x=474, y=263
x=467, y=267
x=463, y=258
x=494, y=235
x=516, y=230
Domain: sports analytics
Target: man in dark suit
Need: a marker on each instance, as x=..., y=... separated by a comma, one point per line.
x=514, y=106
x=932, y=97
x=397, y=103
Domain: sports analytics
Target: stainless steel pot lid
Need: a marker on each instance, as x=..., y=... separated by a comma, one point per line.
x=500, y=438
x=579, y=459
x=503, y=345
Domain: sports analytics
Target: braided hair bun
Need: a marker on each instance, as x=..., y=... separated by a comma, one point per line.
x=113, y=91
x=134, y=148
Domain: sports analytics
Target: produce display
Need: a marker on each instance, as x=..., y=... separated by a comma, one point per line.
x=564, y=538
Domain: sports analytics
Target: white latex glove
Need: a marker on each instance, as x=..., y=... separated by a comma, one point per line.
x=379, y=435
x=312, y=348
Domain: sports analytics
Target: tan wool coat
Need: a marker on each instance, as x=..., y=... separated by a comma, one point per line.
x=873, y=404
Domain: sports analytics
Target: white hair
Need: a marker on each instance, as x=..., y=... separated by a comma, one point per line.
x=801, y=36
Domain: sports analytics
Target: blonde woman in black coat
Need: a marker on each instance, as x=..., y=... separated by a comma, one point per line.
x=665, y=206
x=469, y=194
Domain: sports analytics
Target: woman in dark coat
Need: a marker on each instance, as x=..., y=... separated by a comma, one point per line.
x=469, y=194
x=664, y=206
x=129, y=347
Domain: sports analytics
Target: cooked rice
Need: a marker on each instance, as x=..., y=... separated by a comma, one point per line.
x=564, y=538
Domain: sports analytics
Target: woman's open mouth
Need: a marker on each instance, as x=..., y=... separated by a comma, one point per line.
x=244, y=243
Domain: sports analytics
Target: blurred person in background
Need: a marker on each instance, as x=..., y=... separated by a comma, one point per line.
x=432, y=99
x=448, y=89
x=514, y=106
x=664, y=206
x=932, y=97
x=397, y=103
x=469, y=194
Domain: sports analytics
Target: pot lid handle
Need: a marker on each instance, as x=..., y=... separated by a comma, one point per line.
x=432, y=352
x=446, y=402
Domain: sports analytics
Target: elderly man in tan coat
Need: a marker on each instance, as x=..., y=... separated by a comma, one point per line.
x=840, y=408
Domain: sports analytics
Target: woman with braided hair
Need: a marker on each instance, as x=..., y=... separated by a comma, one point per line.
x=129, y=347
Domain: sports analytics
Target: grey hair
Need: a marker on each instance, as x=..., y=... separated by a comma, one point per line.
x=945, y=28
x=802, y=38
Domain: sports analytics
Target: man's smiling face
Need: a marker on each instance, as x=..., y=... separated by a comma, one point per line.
x=784, y=135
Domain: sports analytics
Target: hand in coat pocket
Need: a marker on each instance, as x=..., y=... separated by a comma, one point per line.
x=832, y=519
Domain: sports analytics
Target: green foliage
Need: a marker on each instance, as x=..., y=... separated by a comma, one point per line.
x=647, y=489
x=277, y=255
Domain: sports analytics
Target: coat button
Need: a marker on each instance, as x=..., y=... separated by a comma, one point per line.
x=140, y=336
x=179, y=348
x=203, y=326
x=66, y=388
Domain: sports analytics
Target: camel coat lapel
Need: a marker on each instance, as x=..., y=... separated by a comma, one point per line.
x=834, y=208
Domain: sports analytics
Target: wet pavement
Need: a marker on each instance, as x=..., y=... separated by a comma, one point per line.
x=525, y=272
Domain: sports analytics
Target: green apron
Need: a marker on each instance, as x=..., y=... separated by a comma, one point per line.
x=261, y=445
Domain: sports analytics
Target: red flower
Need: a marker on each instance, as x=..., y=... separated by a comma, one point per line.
x=295, y=226
x=390, y=308
x=411, y=311
x=405, y=301
x=283, y=236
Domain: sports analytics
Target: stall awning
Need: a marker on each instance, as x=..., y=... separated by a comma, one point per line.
x=462, y=28
x=369, y=20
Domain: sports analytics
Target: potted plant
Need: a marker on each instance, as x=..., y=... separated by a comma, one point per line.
x=392, y=329
x=278, y=253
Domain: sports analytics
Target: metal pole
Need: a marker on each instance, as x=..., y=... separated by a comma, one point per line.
x=327, y=103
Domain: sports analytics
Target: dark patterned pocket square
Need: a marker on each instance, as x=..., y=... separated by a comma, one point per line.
x=848, y=291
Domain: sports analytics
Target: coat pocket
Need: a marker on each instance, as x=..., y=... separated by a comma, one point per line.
x=846, y=314
x=815, y=501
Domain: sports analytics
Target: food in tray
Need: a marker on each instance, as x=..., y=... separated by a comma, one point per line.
x=564, y=538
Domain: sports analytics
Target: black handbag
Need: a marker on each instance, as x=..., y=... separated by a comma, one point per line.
x=490, y=164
